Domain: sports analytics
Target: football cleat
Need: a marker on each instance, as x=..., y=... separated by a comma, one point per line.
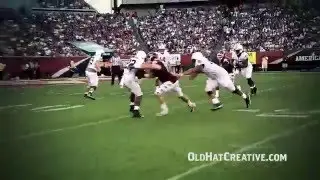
x=254, y=91
x=162, y=113
x=89, y=96
x=137, y=114
x=248, y=100
x=131, y=108
x=217, y=106
x=192, y=107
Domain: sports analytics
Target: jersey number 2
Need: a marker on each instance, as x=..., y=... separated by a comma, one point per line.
x=131, y=63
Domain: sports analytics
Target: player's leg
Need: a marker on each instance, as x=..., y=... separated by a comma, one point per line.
x=228, y=84
x=217, y=92
x=213, y=84
x=209, y=90
x=120, y=75
x=113, y=75
x=93, y=81
x=213, y=99
x=183, y=97
x=88, y=84
x=136, y=90
x=247, y=73
x=132, y=99
x=232, y=77
x=160, y=91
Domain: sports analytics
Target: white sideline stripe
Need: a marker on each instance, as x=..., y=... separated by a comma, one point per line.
x=13, y=106
x=47, y=107
x=61, y=109
x=247, y=110
x=281, y=110
x=284, y=115
x=246, y=148
x=103, y=121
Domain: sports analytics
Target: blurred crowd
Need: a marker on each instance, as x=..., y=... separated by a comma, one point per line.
x=182, y=30
x=50, y=34
x=258, y=28
x=272, y=28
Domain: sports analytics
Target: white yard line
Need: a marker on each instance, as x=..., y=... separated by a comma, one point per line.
x=47, y=107
x=13, y=106
x=246, y=148
x=106, y=121
x=281, y=110
x=248, y=110
x=284, y=115
x=61, y=109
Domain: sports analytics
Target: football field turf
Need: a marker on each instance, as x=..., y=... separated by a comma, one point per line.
x=53, y=133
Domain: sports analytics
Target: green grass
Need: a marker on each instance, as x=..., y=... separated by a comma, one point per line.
x=99, y=142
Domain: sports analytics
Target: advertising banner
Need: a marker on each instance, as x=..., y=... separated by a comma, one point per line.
x=304, y=59
x=252, y=57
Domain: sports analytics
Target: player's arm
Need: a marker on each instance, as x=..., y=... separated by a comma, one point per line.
x=107, y=64
x=196, y=70
x=98, y=65
x=150, y=66
x=193, y=72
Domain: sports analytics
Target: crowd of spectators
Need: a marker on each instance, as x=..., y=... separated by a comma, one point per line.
x=182, y=30
x=50, y=34
x=273, y=27
x=263, y=27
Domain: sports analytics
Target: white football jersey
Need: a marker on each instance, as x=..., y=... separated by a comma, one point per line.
x=211, y=69
x=93, y=61
x=243, y=57
x=132, y=67
x=164, y=58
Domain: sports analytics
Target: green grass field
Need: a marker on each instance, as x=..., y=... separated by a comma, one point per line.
x=53, y=133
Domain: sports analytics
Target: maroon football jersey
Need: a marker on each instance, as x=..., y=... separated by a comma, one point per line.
x=163, y=74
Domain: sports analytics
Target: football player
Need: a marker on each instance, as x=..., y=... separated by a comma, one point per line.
x=243, y=66
x=94, y=66
x=163, y=55
x=130, y=80
x=227, y=64
x=217, y=75
x=168, y=83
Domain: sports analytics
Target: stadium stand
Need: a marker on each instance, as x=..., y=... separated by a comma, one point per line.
x=183, y=30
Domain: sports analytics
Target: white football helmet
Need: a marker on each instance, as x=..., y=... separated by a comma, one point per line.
x=141, y=55
x=197, y=56
x=238, y=48
x=98, y=54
